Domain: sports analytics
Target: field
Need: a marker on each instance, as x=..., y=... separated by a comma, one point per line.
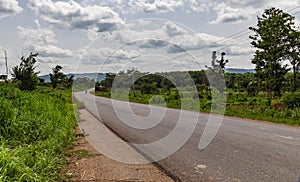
x=237, y=104
x=256, y=107
x=36, y=129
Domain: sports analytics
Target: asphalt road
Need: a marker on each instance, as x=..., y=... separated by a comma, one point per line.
x=242, y=150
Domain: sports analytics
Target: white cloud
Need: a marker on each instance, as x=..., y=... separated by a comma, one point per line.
x=42, y=40
x=173, y=30
x=227, y=14
x=133, y=34
x=149, y=43
x=139, y=42
x=285, y=5
x=227, y=10
x=159, y=35
x=212, y=40
x=159, y=5
x=103, y=14
x=143, y=40
x=232, y=47
x=9, y=7
x=236, y=11
x=246, y=3
x=237, y=50
x=72, y=15
x=100, y=55
x=134, y=6
x=152, y=6
x=173, y=48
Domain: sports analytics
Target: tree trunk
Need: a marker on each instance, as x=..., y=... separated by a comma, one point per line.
x=294, y=76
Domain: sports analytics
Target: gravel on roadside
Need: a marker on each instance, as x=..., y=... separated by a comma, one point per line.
x=85, y=163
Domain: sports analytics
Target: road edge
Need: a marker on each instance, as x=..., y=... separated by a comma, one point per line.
x=155, y=164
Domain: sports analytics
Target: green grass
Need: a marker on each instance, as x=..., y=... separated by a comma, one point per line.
x=36, y=128
x=256, y=107
x=290, y=117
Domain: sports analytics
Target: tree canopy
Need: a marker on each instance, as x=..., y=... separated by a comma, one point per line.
x=25, y=74
x=271, y=38
x=58, y=77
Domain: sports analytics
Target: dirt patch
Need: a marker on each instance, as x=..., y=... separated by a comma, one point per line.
x=86, y=164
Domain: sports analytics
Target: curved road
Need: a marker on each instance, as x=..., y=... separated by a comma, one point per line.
x=243, y=150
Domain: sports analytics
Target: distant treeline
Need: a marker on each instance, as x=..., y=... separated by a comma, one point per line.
x=151, y=83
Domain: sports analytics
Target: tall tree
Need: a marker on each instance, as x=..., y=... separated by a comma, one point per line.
x=57, y=76
x=25, y=74
x=270, y=39
x=293, y=47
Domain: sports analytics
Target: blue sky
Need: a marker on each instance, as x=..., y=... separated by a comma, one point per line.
x=151, y=35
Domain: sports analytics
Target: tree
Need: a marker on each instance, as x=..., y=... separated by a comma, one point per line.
x=57, y=76
x=270, y=39
x=108, y=81
x=148, y=88
x=70, y=81
x=215, y=73
x=294, y=54
x=25, y=74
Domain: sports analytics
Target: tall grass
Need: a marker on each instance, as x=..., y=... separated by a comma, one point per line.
x=256, y=107
x=35, y=129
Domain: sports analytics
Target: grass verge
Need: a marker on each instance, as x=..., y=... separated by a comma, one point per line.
x=36, y=128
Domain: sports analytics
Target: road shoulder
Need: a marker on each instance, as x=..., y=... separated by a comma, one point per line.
x=86, y=163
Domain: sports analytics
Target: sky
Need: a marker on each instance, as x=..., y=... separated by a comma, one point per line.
x=87, y=36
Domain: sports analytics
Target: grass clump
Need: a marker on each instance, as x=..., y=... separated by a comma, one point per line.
x=35, y=129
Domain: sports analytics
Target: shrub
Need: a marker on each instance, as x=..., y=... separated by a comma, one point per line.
x=291, y=100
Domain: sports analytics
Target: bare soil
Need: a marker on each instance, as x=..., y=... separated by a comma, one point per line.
x=86, y=164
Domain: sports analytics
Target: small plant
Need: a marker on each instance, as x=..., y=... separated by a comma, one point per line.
x=80, y=154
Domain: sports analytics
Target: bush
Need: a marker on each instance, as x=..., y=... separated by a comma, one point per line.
x=291, y=100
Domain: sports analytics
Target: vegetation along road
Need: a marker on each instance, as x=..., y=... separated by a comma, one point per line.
x=243, y=150
x=37, y=119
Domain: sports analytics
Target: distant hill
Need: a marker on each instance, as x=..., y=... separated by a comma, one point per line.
x=238, y=70
x=95, y=76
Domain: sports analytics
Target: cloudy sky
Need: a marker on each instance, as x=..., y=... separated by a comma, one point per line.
x=112, y=35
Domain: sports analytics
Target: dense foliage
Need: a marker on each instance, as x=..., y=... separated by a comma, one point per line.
x=292, y=100
x=276, y=41
x=57, y=77
x=35, y=129
x=24, y=74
